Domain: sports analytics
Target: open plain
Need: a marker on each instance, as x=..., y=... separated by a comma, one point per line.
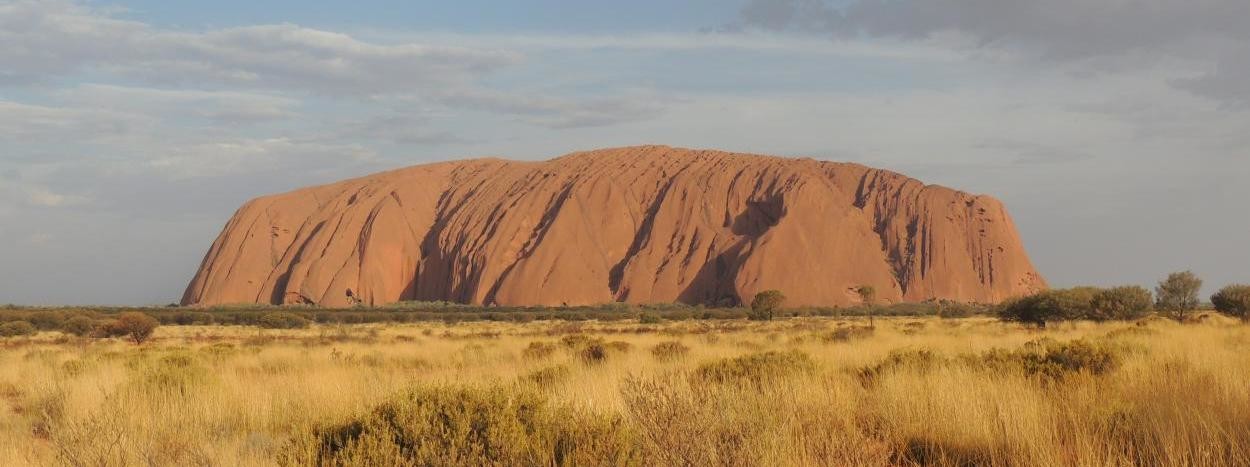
x=798, y=391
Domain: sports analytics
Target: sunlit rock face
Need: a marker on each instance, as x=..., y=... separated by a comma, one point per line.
x=638, y=224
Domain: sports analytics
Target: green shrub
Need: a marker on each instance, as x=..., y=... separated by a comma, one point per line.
x=950, y=309
x=649, y=318
x=1177, y=295
x=17, y=328
x=548, y=376
x=1050, y=306
x=669, y=351
x=757, y=368
x=848, y=333
x=1233, y=300
x=174, y=374
x=906, y=359
x=468, y=426
x=46, y=320
x=594, y=353
x=282, y=320
x=79, y=326
x=538, y=350
x=577, y=341
x=765, y=305
x=1052, y=359
x=1121, y=303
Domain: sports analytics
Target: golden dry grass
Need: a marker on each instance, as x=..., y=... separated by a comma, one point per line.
x=239, y=396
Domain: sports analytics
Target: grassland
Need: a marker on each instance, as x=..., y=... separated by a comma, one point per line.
x=798, y=391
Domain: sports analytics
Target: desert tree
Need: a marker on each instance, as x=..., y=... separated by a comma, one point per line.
x=868, y=296
x=1233, y=300
x=1120, y=303
x=765, y=305
x=1177, y=295
x=136, y=326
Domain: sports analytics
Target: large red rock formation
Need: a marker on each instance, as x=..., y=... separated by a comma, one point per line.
x=639, y=225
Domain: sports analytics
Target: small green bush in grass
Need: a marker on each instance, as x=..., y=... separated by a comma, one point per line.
x=468, y=426
x=17, y=329
x=1051, y=359
x=669, y=351
x=756, y=369
x=79, y=326
x=282, y=320
x=538, y=350
x=548, y=376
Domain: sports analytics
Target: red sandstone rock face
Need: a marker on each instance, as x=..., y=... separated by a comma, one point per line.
x=640, y=225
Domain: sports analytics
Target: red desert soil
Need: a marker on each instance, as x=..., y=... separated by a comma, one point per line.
x=638, y=224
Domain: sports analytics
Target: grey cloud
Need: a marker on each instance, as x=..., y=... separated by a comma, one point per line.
x=1093, y=32
x=1026, y=153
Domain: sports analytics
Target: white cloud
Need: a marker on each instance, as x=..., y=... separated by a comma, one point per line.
x=48, y=38
x=42, y=197
x=220, y=106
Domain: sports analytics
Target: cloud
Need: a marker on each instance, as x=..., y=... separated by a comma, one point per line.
x=227, y=107
x=1095, y=33
x=557, y=112
x=41, y=197
x=46, y=39
x=26, y=122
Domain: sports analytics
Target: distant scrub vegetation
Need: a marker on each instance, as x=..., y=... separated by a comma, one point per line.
x=1078, y=303
x=289, y=317
x=1175, y=297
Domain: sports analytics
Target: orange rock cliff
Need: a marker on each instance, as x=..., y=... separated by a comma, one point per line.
x=640, y=225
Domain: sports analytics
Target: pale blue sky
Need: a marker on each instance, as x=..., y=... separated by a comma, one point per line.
x=1116, y=131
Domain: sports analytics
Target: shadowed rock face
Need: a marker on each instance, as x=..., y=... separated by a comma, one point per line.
x=640, y=225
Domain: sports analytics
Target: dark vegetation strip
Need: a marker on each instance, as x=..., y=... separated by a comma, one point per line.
x=48, y=318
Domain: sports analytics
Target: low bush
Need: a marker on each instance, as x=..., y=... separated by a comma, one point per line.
x=79, y=326
x=1052, y=359
x=548, y=376
x=949, y=309
x=468, y=426
x=1121, y=303
x=899, y=360
x=282, y=320
x=1118, y=303
x=848, y=333
x=1233, y=300
x=649, y=318
x=755, y=369
x=538, y=350
x=765, y=305
x=17, y=329
x=47, y=320
x=594, y=353
x=133, y=325
x=669, y=351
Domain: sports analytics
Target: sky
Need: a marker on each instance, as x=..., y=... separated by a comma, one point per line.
x=1116, y=131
